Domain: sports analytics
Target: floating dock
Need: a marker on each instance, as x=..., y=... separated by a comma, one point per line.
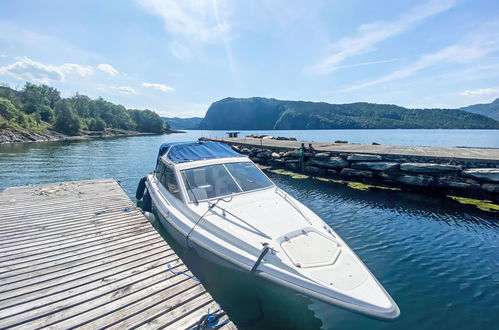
x=81, y=255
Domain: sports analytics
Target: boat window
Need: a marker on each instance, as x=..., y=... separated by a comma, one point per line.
x=248, y=176
x=166, y=176
x=213, y=181
x=208, y=182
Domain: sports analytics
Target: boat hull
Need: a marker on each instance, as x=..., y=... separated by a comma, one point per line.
x=313, y=298
x=181, y=241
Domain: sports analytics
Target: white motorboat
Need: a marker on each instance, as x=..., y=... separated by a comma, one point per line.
x=217, y=201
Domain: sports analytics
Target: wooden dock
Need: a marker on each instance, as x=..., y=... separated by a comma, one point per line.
x=80, y=255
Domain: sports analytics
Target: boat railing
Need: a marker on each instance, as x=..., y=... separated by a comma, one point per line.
x=224, y=212
x=284, y=196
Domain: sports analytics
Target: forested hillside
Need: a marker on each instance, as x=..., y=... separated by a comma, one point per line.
x=262, y=113
x=40, y=107
x=183, y=123
x=488, y=109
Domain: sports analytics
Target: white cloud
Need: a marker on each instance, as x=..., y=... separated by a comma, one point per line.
x=190, y=18
x=29, y=70
x=107, y=68
x=159, y=87
x=371, y=34
x=480, y=92
x=124, y=89
x=339, y=67
x=180, y=51
x=471, y=49
x=82, y=70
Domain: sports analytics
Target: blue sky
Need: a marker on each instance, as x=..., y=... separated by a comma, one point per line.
x=177, y=57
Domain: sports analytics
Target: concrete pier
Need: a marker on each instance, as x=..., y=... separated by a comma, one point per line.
x=472, y=172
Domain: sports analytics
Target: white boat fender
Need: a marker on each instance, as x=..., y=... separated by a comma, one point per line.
x=151, y=217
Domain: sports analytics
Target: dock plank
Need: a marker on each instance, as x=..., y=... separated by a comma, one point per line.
x=80, y=255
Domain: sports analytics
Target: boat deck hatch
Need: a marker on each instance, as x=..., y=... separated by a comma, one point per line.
x=311, y=250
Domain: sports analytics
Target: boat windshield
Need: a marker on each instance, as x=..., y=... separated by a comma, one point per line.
x=218, y=180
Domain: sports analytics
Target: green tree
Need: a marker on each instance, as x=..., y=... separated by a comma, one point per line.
x=7, y=110
x=40, y=95
x=30, y=108
x=46, y=113
x=148, y=121
x=83, y=105
x=67, y=120
x=96, y=124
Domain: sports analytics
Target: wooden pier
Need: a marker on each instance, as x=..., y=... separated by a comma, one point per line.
x=80, y=255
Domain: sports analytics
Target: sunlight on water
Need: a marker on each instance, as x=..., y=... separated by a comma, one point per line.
x=437, y=258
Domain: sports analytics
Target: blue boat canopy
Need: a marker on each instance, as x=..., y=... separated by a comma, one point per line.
x=182, y=152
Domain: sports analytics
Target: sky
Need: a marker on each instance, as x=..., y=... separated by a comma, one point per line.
x=177, y=57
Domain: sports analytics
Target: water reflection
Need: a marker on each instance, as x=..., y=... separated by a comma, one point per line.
x=436, y=257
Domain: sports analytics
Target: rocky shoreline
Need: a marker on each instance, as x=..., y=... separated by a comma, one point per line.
x=469, y=178
x=17, y=136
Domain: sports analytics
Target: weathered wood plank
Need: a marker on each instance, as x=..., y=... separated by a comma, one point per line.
x=64, y=265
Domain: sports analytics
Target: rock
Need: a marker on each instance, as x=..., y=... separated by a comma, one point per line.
x=429, y=168
x=275, y=155
x=16, y=136
x=491, y=187
x=357, y=157
x=279, y=160
x=331, y=162
x=253, y=152
x=322, y=155
x=291, y=161
x=331, y=172
x=258, y=136
x=245, y=151
x=457, y=182
x=257, y=160
x=293, y=166
x=284, y=138
x=350, y=172
x=487, y=174
x=292, y=153
x=315, y=171
x=412, y=180
x=265, y=154
x=376, y=166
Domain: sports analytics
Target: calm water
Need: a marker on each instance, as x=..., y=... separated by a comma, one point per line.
x=438, y=259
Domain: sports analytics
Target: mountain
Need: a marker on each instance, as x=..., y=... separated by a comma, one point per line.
x=183, y=123
x=266, y=114
x=489, y=109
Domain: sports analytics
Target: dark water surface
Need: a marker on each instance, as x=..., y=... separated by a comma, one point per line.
x=437, y=258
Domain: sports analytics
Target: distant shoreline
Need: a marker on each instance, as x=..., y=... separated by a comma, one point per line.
x=10, y=136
